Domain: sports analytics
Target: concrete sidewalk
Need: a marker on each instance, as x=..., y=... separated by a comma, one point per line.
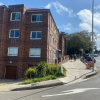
x=75, y=71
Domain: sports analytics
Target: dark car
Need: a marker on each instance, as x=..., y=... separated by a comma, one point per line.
x=85, y=56
x=95, y=55
x=88, y=58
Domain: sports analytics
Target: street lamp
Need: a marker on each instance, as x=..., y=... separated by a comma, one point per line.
x=92, y=36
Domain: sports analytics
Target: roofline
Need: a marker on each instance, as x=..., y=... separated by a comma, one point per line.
x=35, y=10
x=4, y=6
x=18, y=5
x=54, y=21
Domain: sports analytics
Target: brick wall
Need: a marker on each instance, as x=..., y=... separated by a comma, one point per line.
x=52, y=48
x=24, y=43
x=3, y=32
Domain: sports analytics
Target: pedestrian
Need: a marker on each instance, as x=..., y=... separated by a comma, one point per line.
x=74, y=57
x=71, y=57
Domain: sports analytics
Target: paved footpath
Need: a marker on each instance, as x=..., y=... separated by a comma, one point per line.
x=75, y=71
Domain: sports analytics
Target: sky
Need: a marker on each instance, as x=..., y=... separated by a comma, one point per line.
x=70, y=16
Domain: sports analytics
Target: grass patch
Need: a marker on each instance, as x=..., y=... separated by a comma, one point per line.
x=39, y=79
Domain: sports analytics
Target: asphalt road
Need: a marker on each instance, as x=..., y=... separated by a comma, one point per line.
x=86, y=90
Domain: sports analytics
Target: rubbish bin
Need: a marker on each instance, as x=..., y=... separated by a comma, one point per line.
x=89, y=64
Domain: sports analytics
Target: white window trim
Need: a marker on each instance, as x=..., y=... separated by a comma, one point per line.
x=35, y=56
x=35, y=21
x=36, y=34
x=15, y=20
x=10, y=31
x=8, y=51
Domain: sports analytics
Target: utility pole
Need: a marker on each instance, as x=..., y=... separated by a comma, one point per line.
x=92, y=37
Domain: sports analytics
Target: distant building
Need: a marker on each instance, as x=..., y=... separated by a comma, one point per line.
x=27, y=36
x=62, y=46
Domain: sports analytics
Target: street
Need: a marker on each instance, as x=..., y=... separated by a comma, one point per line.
x=85, y=90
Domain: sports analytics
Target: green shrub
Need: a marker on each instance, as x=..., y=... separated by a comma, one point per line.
x=48, y=69
x=51, y=69
x=54, y=69
x=41, y=69
x=44, y=69
x=64, y=69
x=30, y=73
x=58, y=74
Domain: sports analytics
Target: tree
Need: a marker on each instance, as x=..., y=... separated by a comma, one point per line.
x=78, y=40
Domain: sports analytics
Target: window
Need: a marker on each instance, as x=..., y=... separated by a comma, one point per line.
x=55, y=43
x=37, y=18
x=13, y=51
x=36, y=35
x=50, y=22
x=50, y=38
x=15, y=16
x=14, y=34
x=49, y=53
x=55, y=31
x=35, y=52
x=54, y=55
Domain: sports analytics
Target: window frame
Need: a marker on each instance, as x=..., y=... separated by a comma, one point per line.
x=49, y=53
x=15, y=18
x=50, y=21
x=50, y=38
x=35, y=55
x=55, y=31
x=36, y=35
x=55, y=43
x=54, y=55
x=12, y=54
x=14, y=33
x=35, y=14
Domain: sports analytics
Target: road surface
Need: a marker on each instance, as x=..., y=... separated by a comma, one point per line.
x=85, y=90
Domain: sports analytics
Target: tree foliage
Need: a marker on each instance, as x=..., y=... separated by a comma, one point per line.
x=78, y=40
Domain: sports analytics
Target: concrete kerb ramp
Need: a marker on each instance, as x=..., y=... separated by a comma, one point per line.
x=91, y=73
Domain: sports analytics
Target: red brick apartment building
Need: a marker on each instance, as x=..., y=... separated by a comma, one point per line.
x=27, y=36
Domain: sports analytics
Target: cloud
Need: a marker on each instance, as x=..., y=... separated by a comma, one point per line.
x=48, y=6
x=98, y=41
x=1, y=3
x=85, y=16
x=60, y=9
x=97, y=7
x=65, y=27
x=85, y=26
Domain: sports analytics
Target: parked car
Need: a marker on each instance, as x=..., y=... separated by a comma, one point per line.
x=89, y=58
x=95, y=55
x=85, y=56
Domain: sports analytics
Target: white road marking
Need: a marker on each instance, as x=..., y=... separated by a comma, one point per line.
x=71, y=92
